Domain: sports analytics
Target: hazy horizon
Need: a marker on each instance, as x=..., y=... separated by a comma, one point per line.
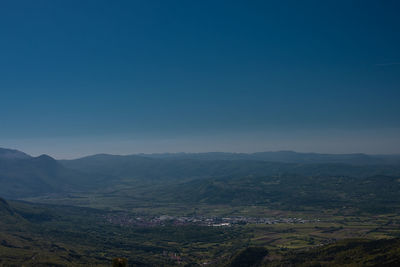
x=335, y=142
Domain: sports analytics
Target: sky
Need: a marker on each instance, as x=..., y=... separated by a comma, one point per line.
x=124, y=77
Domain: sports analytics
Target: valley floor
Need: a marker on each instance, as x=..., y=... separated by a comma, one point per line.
x=51, y=235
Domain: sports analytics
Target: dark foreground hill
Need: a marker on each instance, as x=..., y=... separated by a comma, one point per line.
x=352, y=252
x=9, y=217
x=7, y=214
x=5, y=209
x=359, y=252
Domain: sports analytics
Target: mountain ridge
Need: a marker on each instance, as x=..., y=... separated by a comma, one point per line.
x=287, y=156
x=6, y=153
x=43, y=175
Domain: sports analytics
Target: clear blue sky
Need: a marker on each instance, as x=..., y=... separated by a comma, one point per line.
x=82, y=77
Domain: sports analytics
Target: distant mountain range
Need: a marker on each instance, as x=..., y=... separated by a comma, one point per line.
x=204, y=177
x=277, y=156
x=286, y=157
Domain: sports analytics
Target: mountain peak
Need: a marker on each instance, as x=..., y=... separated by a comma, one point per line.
x=45, y=158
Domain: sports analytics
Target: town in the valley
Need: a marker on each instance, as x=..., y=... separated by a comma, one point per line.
x=125, y=219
